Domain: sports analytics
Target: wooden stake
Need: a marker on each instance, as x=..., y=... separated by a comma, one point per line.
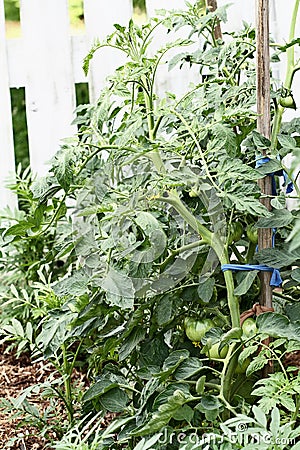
x=212, y=6
x=264, y=127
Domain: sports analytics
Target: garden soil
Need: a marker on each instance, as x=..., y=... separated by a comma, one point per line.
x=17, y=374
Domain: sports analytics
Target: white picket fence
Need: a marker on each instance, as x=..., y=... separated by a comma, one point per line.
x=47, y=61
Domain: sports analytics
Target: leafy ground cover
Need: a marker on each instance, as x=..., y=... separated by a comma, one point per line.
x=126, y=262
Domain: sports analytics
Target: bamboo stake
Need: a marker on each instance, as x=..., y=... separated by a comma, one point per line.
x=264, y=127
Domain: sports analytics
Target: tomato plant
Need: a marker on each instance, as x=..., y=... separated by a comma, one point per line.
x=156, y=193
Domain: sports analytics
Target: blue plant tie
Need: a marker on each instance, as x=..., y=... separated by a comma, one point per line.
x=276, y=279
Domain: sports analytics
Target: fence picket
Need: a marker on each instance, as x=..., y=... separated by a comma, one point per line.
x=50, y=95
x=6, y=131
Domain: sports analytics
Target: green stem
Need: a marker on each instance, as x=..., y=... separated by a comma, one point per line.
x=291, y=69
x=217, y=245
x=180, y=250
x=67, y=383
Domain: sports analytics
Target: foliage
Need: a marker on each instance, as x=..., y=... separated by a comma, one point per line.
x=143, y=207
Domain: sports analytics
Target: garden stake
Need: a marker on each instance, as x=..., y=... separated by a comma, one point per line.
x=212, y=6
x=264, y=127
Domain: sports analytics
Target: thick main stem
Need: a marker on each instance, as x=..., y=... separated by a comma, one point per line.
x=290, y=71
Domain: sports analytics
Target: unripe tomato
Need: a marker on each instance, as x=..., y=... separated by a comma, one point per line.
x=195, y=328
x=213, y=352
x=235, y=232
x=249, y=327
x=287, y=102
x=252, y=233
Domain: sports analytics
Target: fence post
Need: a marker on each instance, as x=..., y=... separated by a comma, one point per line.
x=99, y=19
x=6, y=130
x=50, y=91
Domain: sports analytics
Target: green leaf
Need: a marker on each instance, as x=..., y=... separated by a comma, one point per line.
x=75, y=285
x=188, y=368
x=269, y=167
x=224, y=138
x=278, y=326
x=205, y=290
x=63, y=166
x=115, y=400
x=258, y=363
x=260, y=416
x=287, y=142
x=234, y=169
x=147, y=444
x=275, y=421
x=294, y=237
x=131, y=342
x=260, y=141
x=295, y=274
x=171, y=363
x=184, y=413
x=251, y=205
x=162, y=398
x=99, y=388
x=246, y=283
x=279, y=218
x=277, y=257
x=20, y=229
x=163, y=415
x=246, y=352
x=119, y=289
x=164, y=310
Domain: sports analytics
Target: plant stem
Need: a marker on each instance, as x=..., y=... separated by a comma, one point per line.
x=67, y=382
x=290, y=72
x=218, y=246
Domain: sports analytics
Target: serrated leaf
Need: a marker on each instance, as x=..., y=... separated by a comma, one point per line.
x=246, y=352
x=251, y=205
x=224, y=138
x=277, y=257
x=246, y=283
x=278, y=218
x=63, y=167
x=234, y=169
x=257, y=364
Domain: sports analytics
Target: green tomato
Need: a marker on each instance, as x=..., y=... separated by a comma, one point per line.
x=287, y=102
x=195, y=328
x=235, y=232
x=213, y=352
x=242, y=368
x=252, y=233
x=249, y=327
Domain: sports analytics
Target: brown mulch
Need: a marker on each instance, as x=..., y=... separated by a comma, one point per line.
x=17, y=374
